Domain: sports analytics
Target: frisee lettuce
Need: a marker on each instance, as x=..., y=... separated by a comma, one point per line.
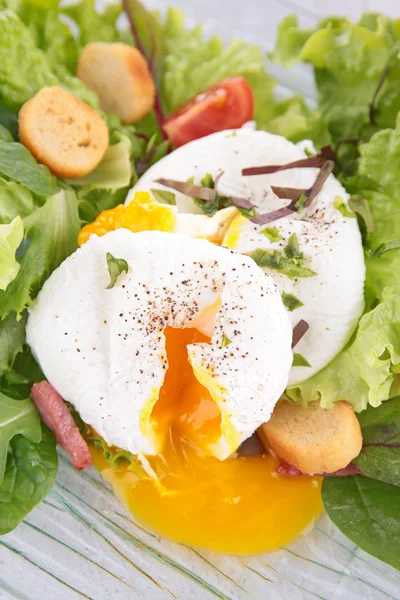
x=53, y=231
x=10, y=238
x=349, y=60
x=365, y=371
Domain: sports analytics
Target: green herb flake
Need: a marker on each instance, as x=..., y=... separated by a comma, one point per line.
x=274, y=259
x=300, y=361
x=342, y=207
x=292, y=250
x=164, y=197
x=272, y=233
x=291, y=301
x=116, y=266
x=300, y=203
x=207, y=181
x=225, y=341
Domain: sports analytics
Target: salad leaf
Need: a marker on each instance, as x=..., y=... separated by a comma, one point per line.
x=380, y=454
x=12, y=339
x=30, y=473
x=94, y=26
x=380, y=160
x=10, y=238
x=16, y=162
x=15, y=200
x=49, y=32
x=366, y=511
x=8, y=119
x=116, y=457
x=17, y=417
x=293, y=119
x=53, y=231
x=25, y=68
x=349, y=60
x=364, y=372
x=114, y=171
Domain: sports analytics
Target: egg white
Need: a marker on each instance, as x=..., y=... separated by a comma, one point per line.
x=334, y=299
x=104, y=349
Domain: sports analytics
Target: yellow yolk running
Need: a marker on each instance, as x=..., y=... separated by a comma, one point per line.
x=236, y=506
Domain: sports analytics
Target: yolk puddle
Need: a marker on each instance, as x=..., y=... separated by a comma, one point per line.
x=235, y=506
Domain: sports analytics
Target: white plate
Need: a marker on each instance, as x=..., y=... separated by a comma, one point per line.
x=80, y=542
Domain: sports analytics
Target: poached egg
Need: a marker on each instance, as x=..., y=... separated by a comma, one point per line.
x=113, y=343
x=332, y=300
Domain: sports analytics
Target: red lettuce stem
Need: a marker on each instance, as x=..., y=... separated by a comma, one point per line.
x=138, y=43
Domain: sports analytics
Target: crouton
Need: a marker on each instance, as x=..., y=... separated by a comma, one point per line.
x=121, y=78
x=63, y=132
x=314, y=439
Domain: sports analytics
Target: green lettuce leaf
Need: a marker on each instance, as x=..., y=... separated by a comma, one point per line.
x=15, y=200
x=17, y=417
x=364, y=372
x=49, y=32
x=368, y=512
x=114, y=171
x=16, y=162
x=11, y=237
x=380, y=161
x=94, y=26
x=349, y=60
x=30, y=473
x=52, y=230
x=12, y=339
x=293, y=119
x=25, y=68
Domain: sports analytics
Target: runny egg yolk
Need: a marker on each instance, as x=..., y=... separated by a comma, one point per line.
x=236, y=506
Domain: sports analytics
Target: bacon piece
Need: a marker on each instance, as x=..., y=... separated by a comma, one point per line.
x=285, y=468
x=57, y=417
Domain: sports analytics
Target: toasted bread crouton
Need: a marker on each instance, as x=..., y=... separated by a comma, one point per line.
x=63, y=132
x=120, y=76
x=314, y=439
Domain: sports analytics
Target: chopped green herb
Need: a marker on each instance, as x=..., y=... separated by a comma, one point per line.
x=249, y=213
x=342, y=207
x=360, y=206
x=299, y=205
x=225, y=341
x=190, y=179
x=274, y=259
x=272, y=233
x=393, y=245
x=291, y=301
x=116, y=266
x=299, y=361
x=292, y=250
x=164, y=197
x=207, y=181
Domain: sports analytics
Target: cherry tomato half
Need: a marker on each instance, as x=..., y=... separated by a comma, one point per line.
x=226, y=105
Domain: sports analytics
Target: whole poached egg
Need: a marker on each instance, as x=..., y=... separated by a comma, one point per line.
x=106, y=350
x=331, y=300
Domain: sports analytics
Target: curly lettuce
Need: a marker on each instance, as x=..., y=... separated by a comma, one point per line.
x=365, y=371
x=349, y=61
x=10, y=238
x=25, y=68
